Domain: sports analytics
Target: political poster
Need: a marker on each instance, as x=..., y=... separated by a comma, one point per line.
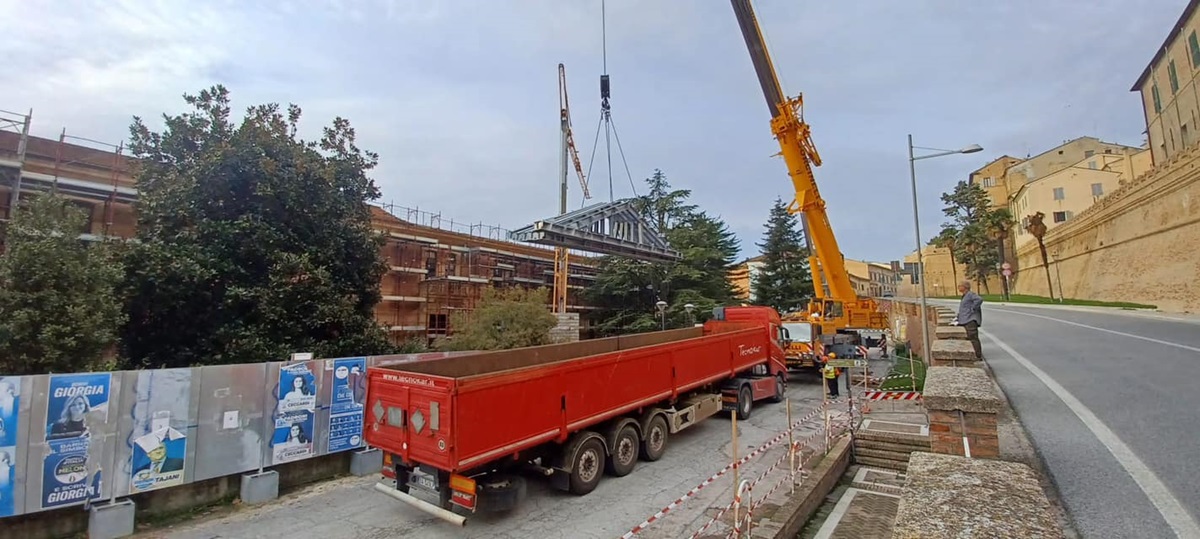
x=295, y=414
x=157, y=442
x=76, y=403
x=346, y=404
x=10, y=405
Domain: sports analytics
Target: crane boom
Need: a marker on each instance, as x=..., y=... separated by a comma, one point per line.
x=795, y=141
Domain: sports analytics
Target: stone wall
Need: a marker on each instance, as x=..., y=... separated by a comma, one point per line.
x=1140, y=243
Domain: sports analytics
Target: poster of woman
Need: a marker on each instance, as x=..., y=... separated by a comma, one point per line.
x=10, y=389
x=76, y=403
x=295, y=414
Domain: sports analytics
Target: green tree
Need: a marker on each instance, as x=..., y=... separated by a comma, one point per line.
x=626, y=290
x=253, y=243
x=505, y=318
x=971, y=214
x=58, y=305
x=784, y=281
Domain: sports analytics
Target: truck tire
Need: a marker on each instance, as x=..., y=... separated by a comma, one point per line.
x=780, y=388
x=654, y=444
x=624, y=454
x=745, y=402
x=588, y=466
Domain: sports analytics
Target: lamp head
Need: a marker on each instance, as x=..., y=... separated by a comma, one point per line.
x=971, y=149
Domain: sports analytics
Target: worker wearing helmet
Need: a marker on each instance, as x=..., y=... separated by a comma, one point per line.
x=831, y=375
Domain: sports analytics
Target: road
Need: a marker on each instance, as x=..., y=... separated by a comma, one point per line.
x=350, y=508
x=1109, y=401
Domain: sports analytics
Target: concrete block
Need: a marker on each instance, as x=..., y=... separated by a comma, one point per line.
x=260, y=487
x=948, y=496
x=953, y=388
x=111, y=520
x=366, y=462
x=952, y=350
x=958, y=333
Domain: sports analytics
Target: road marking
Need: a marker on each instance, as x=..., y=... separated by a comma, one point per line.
x=1114, y=332
x=1160, y=496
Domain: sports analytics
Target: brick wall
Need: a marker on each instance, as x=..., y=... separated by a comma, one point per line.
x=946, y=433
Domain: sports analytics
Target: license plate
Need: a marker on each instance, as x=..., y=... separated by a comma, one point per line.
x=426, y=482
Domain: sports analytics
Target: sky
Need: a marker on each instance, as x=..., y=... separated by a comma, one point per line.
x=460, y=98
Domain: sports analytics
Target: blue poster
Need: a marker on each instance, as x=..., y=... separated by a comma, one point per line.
x=10, y=404
x=295, y=415
x=346, y=403
x=158, y=445
x=75, y=404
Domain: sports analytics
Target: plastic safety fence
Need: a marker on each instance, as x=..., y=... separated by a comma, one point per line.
x=736, y=464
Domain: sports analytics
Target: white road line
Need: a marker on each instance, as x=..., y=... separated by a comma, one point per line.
x=1114, y=332
x=1160, y=496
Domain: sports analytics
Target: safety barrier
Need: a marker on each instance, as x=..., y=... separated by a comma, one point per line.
x=892, y=395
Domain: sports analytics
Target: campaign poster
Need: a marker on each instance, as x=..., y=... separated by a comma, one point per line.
x=295, y=415
x=10, y=404
x=158, y=445
x=76, y=403
x=158, y=460
x=346, y=404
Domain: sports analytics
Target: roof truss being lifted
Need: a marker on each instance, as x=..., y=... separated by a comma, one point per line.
x=611, y=228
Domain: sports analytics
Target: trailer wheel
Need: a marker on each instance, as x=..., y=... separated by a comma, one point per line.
x=655, y=442
x=780, y=388
x=625, y=451
x=588, y=466
x=745, y=402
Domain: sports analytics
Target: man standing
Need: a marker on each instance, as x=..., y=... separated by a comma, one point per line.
x=831, y=376
x=970, y=316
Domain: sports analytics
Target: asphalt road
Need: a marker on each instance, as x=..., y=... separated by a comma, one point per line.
x=351, y=509
x=1111, y=406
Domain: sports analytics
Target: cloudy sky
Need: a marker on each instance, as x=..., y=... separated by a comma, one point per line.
x=459, y=97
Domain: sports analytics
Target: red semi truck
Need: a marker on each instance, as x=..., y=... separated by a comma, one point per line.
x=457, y=433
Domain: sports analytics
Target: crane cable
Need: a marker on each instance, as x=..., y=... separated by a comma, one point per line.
x=605, y=121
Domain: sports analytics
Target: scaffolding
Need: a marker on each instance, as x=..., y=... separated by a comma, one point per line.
x=14, y=164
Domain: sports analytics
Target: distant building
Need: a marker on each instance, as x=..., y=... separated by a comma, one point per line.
x=1063, y=194
x=742, y=278
x=880, y=278
x=1168, y=88
x=991, y=177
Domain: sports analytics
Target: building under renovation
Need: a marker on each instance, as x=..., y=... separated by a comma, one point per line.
x=436, y=267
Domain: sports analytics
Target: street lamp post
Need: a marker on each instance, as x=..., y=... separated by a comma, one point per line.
x=689, y=308
x=912, y=171
x=662, y=312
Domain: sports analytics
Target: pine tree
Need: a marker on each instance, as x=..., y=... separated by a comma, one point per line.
x=784, y=281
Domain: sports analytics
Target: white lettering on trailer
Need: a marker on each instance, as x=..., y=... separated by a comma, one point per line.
x=749, y=350
x=408, y=380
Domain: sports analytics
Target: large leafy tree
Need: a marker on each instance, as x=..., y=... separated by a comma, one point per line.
x=505, y=318
x=973, y=222
x=626, y=290
x=784, y=281
x=253, y=243
x=58, y=305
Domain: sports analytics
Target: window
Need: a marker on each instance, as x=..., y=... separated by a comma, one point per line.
x=1060, y=216
x=1174, y=79
x=1194, y=48
x=1097, y=189
x=430, y=264
x=452, y=264
x=1157, y=101
x=989, y=182
x=1092, y=165
x=1059, y=194
x=1088, y=153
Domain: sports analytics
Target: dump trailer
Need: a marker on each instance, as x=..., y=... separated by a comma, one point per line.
x=461, y=434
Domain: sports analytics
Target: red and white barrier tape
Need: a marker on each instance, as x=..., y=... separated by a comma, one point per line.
x=892, y=395
x=770, y=443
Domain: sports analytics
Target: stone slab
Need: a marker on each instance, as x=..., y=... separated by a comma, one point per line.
x=366, y=462
x=260, y=487
x=955, y=388
x=951, y=333
x=952, y=350
x=111, y=520
x=947, y=496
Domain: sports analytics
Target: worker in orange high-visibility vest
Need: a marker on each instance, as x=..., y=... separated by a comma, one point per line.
x=831, y=376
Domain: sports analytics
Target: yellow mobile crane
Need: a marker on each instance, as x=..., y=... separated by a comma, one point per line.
x=838, y=309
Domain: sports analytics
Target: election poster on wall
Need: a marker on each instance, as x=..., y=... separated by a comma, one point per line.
x=160, y=419
x=10, y=400
x=295, y=415
x=76, y=403
x=346, y=404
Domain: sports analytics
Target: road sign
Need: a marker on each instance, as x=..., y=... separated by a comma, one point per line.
x=1007, y=272
x=848, y=363
x=1006, y=266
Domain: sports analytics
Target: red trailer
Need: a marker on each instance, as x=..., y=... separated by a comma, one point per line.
x=456, y=432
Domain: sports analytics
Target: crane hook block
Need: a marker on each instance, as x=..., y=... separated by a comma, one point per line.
x=604, y=87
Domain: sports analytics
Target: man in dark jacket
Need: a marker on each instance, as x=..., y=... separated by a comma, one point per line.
x=970, y=316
